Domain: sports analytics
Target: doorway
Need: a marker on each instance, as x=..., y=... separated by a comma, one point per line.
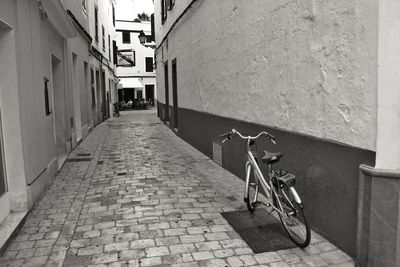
x=4, y=75
x=149, y=88
x=12, y=174
x=166, y=108
x=4, y=198
x=103, y=96
x=59, y=110
x=139, y=94
x=174, y=95
x=76, y=97
x=98, y=98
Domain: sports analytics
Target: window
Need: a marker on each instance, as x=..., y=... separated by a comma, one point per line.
x=109, y=48
x=113, y=14
x=149, y=64
x=170, y=4
x=96, y=23
x=148, y=39
x=103, y=33
x=84, y=5
x=115, y=48
x=152, y=27
x=126, y=37
x=163, y=11
x=46, y=97
x=126, y=58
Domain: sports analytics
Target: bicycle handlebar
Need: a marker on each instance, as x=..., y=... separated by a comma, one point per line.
x=227, y=136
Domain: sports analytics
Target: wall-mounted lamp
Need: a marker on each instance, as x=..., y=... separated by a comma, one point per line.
x=142, y=40
x=142, y=37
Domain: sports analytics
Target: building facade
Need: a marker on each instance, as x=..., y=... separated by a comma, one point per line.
x=135, y=67
x=35, y=102
x=78, y=60
x=103, y=80
x=47, y=105
x=308, y=73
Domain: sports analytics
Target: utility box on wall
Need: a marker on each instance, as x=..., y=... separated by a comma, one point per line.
x=217, y=153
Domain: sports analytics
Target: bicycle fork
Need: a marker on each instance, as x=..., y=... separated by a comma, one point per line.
x=246, y=191
x=251, y=162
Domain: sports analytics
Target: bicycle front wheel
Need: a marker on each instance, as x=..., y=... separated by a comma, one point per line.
x=293, y=219
x=252, y=189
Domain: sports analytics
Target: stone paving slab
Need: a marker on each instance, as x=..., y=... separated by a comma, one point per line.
x=145, y=198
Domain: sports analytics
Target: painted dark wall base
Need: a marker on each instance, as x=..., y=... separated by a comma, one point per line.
x=162, y=111
x=327, y=173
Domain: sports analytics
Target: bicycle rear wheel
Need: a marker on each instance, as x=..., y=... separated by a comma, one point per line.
x=293, y=219
x=252, y=189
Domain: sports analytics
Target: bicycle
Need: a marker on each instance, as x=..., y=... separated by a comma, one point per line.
x=279, y=189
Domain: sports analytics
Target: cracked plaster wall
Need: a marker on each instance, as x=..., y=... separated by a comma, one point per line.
x=303, y=66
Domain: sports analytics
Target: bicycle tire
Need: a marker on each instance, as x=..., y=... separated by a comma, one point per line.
x=295, y=224
x=252, y=190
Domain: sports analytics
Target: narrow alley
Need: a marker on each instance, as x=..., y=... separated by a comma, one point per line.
x=134, y=194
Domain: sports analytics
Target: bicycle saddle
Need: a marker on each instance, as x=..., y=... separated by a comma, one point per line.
x=271, y=158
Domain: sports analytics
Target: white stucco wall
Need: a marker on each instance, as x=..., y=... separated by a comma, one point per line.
x=80, y=82
x=104, y=19
x=35, y=43
x=307, y=67
x=141, y=51
x=29, y=138
x=11, y=114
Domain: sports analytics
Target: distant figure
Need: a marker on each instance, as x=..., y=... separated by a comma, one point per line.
x=116, y=110
x=122, y=105
x=130, y=103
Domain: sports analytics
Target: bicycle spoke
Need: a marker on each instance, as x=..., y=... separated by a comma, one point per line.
x=293, y=218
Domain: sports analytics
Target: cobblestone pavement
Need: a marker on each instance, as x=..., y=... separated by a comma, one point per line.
x=144, y=198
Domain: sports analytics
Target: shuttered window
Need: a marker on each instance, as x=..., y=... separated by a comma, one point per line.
x=96, y=23
x=149, y=64
x=163, y=11
x=126, y=37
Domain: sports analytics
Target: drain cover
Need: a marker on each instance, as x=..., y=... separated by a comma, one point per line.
x=260, y=230
x=78, y=159
x=83, y=154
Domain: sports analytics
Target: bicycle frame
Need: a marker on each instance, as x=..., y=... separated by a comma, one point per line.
x=251, y=161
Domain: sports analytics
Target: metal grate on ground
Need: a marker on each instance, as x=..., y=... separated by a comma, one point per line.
x=260, y=230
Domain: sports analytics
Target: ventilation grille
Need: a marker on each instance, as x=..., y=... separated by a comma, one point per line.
x=217, y=153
